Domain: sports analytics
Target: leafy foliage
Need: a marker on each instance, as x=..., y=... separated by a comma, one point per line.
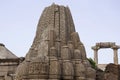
x=93, y=64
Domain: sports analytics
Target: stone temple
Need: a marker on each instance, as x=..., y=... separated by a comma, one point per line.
x=57, y=52
x=8, y=63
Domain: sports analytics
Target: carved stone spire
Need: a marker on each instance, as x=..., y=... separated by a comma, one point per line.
x=58, y=19
x=57, y=52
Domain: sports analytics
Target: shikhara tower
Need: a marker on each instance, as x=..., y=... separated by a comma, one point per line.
x=57, y=52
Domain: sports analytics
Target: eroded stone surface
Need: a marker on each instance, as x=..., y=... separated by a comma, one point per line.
x=57, y=52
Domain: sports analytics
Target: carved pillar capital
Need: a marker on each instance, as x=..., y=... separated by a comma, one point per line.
x=96, y=48
x=115, y=47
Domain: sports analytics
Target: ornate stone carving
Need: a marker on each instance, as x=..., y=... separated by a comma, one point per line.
x=55, y=69
x=77, y=54
x=68, y=70
x=38, y=68
x=57, y=52
x=65, y=53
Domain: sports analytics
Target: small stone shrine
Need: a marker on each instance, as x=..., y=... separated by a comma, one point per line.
x=57, y=52
x=8, y=63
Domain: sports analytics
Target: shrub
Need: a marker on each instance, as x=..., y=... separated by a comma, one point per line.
x=92, y=62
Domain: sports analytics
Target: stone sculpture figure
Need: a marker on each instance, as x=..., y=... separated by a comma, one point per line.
x=57, y=52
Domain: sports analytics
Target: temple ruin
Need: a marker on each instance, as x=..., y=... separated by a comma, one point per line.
x=57, y=52
x=8, y=63
x=103, y=45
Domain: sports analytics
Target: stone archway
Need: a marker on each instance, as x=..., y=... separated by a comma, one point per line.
x=103, y=45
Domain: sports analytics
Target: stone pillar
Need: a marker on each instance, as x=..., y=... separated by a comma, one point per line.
x=95, y=54
x=115, y=49
x=115, y=56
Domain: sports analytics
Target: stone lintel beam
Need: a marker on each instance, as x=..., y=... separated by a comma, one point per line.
x=105, y=44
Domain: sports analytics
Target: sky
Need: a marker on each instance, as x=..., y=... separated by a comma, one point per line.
x=95, y=21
